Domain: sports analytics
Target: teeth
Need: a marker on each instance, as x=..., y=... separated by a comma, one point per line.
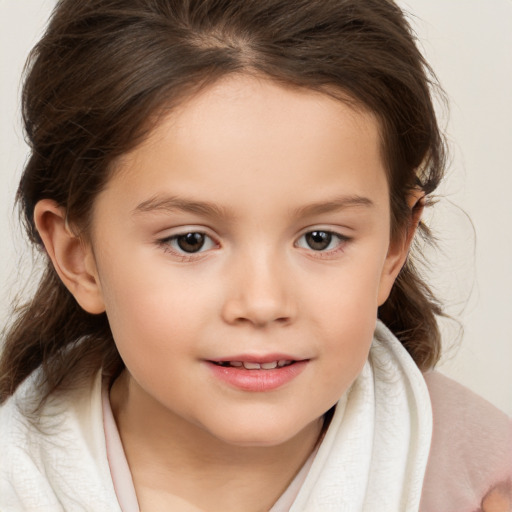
x=256, y=366
x=251, y=366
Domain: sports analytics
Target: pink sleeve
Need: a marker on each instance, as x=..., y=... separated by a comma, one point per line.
x=470, y=464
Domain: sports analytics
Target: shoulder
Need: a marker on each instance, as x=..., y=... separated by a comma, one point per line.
x=471, y=454
x=55, y=456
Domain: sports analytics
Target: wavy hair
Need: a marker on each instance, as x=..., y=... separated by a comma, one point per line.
x=105, y=69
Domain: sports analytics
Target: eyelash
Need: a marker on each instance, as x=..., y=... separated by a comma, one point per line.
x=332, y=237
x=170, y=243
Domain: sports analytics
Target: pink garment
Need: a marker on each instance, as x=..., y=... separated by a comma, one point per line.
x=470, y=463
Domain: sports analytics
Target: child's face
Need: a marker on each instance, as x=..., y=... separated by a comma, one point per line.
x=252, y=226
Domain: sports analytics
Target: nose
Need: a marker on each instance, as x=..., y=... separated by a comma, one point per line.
x=259, y=292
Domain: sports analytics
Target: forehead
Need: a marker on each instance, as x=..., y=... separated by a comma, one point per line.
x=247, y=132
x=249, y=100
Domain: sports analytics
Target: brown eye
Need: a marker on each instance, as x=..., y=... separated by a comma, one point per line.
x=318, y=240
x=187, y=244
x=190, y=242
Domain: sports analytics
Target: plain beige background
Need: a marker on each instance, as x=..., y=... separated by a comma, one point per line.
x=469, y=44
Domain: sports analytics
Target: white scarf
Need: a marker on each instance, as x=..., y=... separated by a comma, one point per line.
x=374, y=455
x=372, y=459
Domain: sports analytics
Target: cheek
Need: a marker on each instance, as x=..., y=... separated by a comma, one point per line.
x=142, y=310
x=155, y=311
x=151, y=333
x=138, y=286
x=349, y=340
x=348, y=294
x=346, y=315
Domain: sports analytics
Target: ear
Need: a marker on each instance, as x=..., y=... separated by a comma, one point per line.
x=72, y=258
x=399, y=249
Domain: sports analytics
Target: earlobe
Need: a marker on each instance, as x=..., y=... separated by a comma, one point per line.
x=72, y=258
x=399, y=249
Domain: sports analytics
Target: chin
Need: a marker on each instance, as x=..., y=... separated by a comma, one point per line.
x=266, y=435
x=256, y=441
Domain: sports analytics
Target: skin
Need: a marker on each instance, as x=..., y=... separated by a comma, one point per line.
x=272, y=164
x=498, y=499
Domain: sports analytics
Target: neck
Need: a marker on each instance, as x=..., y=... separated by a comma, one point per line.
x=174, y=462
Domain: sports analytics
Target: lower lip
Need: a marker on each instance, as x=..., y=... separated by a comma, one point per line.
x=257, y=380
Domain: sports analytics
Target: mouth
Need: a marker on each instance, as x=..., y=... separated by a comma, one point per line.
x=253, y=365
x=257, y=373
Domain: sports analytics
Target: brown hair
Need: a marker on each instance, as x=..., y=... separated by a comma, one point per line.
x=106, y=67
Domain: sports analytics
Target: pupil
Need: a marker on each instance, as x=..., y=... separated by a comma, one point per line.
x=191, y=242
x=318, y=240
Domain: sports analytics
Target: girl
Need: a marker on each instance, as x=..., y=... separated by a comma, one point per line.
x=226, y=192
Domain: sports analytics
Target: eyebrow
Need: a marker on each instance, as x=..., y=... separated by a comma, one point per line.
x=171, y=204
x=336, y=204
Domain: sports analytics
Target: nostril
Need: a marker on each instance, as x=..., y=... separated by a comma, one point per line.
x=258, y=300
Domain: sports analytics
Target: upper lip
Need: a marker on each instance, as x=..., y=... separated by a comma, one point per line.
x=264, y=358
